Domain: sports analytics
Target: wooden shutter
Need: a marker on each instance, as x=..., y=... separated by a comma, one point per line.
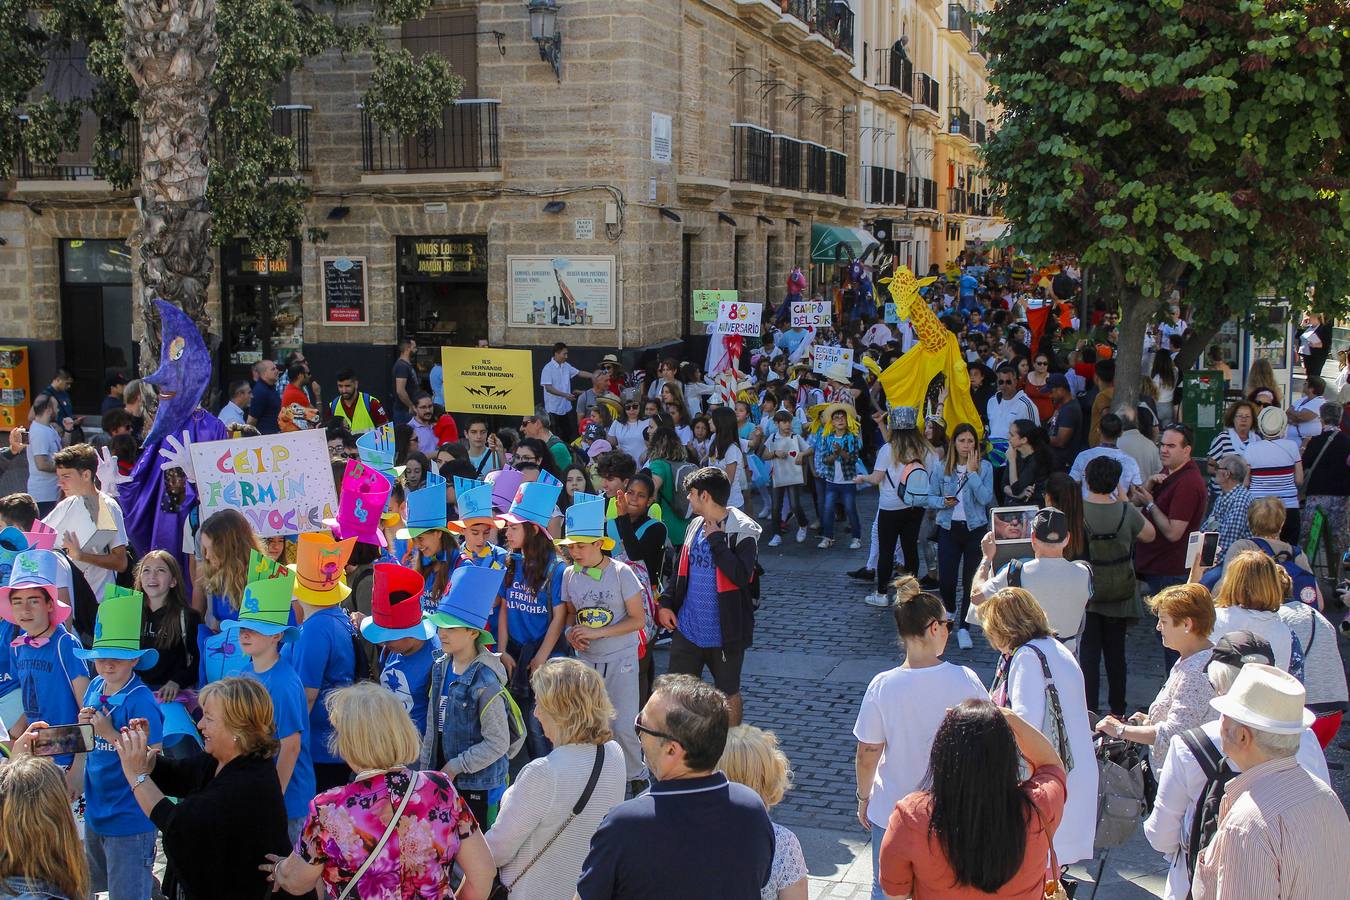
x=451, y=35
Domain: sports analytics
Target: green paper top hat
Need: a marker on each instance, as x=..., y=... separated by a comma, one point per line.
x=266, y=608
x=117, y=631
x=261, y=566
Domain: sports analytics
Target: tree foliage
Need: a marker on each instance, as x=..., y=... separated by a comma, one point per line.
x=1161, y=137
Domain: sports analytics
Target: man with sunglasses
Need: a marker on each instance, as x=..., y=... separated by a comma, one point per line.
x=645, y=847
x=1008, y=404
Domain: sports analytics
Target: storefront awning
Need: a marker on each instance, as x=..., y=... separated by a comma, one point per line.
x=988, y=231
x=825, y=241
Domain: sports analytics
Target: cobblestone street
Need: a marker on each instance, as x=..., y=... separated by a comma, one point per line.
x=816, y=648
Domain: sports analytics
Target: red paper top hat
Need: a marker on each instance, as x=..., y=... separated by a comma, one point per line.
x=396, y=606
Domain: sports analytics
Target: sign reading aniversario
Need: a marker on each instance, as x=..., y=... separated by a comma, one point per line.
x=561, y=291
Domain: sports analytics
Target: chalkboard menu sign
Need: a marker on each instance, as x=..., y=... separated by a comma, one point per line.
x=344, y=290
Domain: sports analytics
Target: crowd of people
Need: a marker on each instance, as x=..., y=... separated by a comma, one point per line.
x=460, y=692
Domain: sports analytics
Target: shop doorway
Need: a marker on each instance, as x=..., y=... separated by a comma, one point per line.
x=442, y=293
x=262, y=309
x=96, y=318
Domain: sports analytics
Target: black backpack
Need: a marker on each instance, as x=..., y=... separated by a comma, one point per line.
x=1205, y=819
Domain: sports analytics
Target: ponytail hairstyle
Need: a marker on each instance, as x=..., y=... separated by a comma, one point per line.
x=915, y=611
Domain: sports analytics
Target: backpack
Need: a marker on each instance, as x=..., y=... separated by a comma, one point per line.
x=1205, y=819
x=902, y=489
x=1113, y=576
x=678, y=500
x=1120, y=791
x=1305, y=583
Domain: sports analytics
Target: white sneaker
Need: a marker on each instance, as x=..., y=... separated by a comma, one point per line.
x=801, y=535
x=855, y=544
x=878, y=600
x=963, y=639
x=763, y=513
x=825, y=543
x=776, y=540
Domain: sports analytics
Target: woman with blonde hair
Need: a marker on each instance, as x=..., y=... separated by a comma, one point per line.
x=549, y=814
x=223, y=542
x=1249, y=597
x=752, y=758
x=373, y=734
x=1261, y=377
x=1016, y=626
x=230, y=813
x=1266, y=518
x=904, y=484
x=1185, y=620
x=41, y=855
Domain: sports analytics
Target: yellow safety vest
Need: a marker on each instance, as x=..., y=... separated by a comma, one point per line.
x=360, y=421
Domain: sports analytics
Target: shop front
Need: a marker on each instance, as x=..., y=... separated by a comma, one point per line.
x=262, y=309
x=442, y=293
x=96, y=312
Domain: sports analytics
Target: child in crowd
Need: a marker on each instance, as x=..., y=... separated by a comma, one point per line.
x=640, y=541
x=264, y=625
x=169, y=626
x=476, y=524
x=702, y=442
x=786, y=452
x=469, y=737
x=838, y=451
x=604, y=602
x=119, y=841
x=223, y=542
x=429, y=540
x=403, y=631
x=12, y=543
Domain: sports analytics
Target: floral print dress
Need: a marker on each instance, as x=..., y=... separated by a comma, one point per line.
x=347, y=822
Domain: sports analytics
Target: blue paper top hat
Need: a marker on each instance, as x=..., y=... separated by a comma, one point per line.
x=426, y=508
x=546, y=478
x=12, y=543
x=583, y=497
x=468, y=602
x=585, y=523
x=376, y=449
x=534, y=503
x=475, y=505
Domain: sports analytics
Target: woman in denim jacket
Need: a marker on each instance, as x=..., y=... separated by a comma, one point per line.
x=962, y=491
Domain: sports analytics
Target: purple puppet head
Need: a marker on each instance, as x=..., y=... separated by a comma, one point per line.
x=184, y=369
x=855, y=273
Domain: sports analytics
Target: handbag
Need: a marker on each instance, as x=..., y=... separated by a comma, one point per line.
x=1053, y=726
x=1307, y=476
x=500, y=889
x=384, y=838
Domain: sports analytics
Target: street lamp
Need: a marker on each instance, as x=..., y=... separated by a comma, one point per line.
x=544, y=30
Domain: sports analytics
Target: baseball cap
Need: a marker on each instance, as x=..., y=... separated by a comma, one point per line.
x=1057, y=379
x=1237, y=648
x=1050, y=526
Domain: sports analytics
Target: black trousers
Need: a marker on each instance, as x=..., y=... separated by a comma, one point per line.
x=1104, y=637
x=903, y=524
x=564, y=426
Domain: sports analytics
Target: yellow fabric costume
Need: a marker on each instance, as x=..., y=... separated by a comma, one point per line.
x=906, y=380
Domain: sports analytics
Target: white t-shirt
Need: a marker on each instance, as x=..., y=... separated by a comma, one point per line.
x=1302, y=431
x=1026, y=697
x=1129, y=469
x=893, y=482
x=1268, y=625
x=786, y=471
x=43, y=440
x=1272, y=464
x=99, y=535
x=877, y=336
x=1062, y=587
x=630, y=437
x=903, y=709
x=558, y=376
x=1003, y=413
x=734, y=455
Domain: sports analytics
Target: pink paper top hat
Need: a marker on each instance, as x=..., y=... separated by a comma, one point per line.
x=35, y=569
x=365, y=492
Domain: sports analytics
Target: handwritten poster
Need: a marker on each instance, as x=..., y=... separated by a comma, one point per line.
x=282, y=483
x=482, y=380
x=734, y=317
x=822, y=357
x=344, y=290
x=705, y=303
x=561, y=291
x=810, y=314
x=890, y=316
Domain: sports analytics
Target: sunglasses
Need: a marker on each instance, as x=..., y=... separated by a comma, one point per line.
x=1004, y=381
x=641, y=729
x=946, y=623
x=631, y=405
x=1042, y=362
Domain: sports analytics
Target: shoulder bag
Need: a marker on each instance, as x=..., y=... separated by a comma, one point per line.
x=1307, y=475
x=500, y=889
x=413, y=780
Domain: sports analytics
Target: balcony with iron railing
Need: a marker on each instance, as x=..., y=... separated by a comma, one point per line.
x=838, y=164
x=834, y=22
x=802, y=10
x=787, y=162
x=923, y=193
x=290, y=120
x=77, y=164
x=895, y=70
x=465, y=140
x=961, y=202
x=980, y=133
x=751, y=154
x=958, y=122
x=758, y=156
x=817, y=169
x=960, y=20
x=883, y=187
x=926, y=91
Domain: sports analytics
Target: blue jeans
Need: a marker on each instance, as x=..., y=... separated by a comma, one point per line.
x=877, y=834
x=848, y=495
x=123, y=865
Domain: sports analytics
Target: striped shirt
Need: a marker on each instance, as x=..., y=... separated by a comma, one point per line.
x=1279, y=830
x=1272, y=464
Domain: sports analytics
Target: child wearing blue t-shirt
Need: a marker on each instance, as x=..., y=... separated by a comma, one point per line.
x=263, y=627
x=119, y=841
x=404, y=635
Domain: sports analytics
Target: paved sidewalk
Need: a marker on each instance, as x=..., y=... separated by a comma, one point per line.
x=816, y=648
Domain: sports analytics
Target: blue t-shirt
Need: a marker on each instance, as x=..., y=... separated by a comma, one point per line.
x=969, y=284
x=222, y=610
x=700, y=619
x=289, y=706
x=8, y=683
x=265, y=407
x=110, y=807
x=409, y=679
x=437, y=380
x=430, y=597
x=527, y=613
x=45, y=673
x=324, y=658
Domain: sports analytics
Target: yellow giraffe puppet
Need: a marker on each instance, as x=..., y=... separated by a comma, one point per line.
x=906, y=380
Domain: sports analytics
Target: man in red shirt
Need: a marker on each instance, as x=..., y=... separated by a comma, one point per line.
x=296, y=410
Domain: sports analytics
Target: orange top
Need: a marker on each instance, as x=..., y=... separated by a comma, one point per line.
x=912, y=861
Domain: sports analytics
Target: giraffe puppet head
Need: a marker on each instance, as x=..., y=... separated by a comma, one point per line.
x=904, y=288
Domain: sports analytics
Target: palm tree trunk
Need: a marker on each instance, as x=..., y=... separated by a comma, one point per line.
x=171, y=51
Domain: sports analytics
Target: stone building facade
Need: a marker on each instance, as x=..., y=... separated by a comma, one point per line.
x=683, y=145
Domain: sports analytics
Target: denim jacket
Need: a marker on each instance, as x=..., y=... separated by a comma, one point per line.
x=976, y=495
x=17, y=887
x=475, y=721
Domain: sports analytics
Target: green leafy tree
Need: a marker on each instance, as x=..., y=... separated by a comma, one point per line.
x=1161, y=137
x=198, y=77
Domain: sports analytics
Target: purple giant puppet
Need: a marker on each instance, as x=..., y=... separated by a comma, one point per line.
x=153, y=519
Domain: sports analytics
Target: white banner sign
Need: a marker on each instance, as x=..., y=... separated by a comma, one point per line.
x=282, y=483
x=810, y=314
x=822, y=357
x=735, y=317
